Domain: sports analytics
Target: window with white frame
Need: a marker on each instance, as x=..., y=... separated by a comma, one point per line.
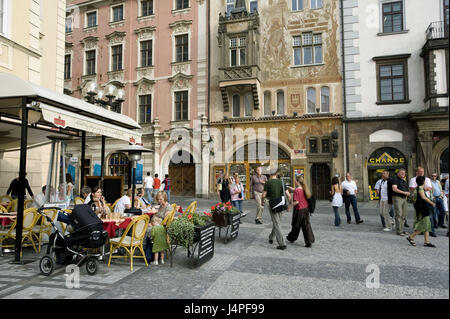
x=145, y=108
x=69, y=24
x=297, y=5
x=237, y=51
x=267, y=103
x=230, y=6
x=182, y=48
x=248, y=104
x=181, y=106
x=91, y=19
x=308, y=49
x=253, y=6
x=117, y=13
x=325, y=99
x=236, y=105
x=280, y=102
x=146, y=53
x=311, y=100
x=316, y=4
x=116, y=57
x=90, y=62
x=146, y=8
x=181, y=4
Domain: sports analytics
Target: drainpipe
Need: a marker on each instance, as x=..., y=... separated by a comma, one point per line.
x=344, y=88
x=208, y=8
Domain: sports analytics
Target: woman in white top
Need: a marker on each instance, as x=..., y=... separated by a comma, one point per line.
x=69, y=184
x=337, y=201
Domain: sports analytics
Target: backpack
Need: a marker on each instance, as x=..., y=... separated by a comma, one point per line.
x=311, y=204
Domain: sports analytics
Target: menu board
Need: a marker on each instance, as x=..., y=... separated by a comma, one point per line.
x=205, y=244
x=235, y=225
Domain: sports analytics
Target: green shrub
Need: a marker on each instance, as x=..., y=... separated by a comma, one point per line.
x=181, y=231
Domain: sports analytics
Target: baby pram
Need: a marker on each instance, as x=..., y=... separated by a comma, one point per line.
x=73, y=248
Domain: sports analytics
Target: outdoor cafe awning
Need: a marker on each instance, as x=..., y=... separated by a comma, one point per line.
x=56, y=110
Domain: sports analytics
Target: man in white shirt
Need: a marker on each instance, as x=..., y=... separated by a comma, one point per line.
x=382, y=189
x=427, y=187
x=350, y=190
x=148, y=187
x=39, y=199
x=124, y=202
x=86, y=194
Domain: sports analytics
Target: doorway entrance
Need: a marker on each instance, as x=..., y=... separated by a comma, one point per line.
x=321, y=181
x=182, y=177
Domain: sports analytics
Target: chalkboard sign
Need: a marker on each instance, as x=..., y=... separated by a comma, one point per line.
x=112, y=186
x=205, y=245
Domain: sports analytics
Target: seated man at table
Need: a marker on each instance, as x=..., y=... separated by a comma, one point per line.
x=39, y=199
x=124, y=202
x=86, y=194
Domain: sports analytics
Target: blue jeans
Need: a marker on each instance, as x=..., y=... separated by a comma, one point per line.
x=168, y=196
x=237, y=204
x=391, y=213
x=337, y=218
x=149, y=195
x=351, y=199
x=439, y=211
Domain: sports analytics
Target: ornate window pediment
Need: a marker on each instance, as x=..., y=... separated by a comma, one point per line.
x=116, y=37
x=180, y=81
x=144, y=86
x=145, y=33
x=89, y=42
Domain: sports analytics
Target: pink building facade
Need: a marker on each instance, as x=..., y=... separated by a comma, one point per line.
x=155, y=53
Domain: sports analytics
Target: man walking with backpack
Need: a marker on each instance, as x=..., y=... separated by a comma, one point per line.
x=274, y=191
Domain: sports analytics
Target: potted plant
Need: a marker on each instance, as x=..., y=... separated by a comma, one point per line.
x=222, y=214
x=184, y=230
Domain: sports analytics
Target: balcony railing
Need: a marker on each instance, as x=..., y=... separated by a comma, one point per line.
x=437, y=30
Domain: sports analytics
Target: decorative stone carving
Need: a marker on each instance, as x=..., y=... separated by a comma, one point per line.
x=181, y=26
x=116, y=37
x=145, y=86
x=89, y=42
x=181, y=68
x=181, y=81
x=145, y=33
x=145, y=72
x=116, y=76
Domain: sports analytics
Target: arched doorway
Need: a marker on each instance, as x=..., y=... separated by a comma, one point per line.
x=443, y=163
x=182, y=175
x=320, y=180
x=246, y=160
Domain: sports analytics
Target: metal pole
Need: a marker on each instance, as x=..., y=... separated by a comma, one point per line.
x=22, y=172
x=48, y=189
x=103, y=161
x=83, y=157
x=134, y=184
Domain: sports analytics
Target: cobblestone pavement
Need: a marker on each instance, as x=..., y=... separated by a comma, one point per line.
x=250, y=267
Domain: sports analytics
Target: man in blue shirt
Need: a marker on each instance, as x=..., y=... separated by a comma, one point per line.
x=438, y=196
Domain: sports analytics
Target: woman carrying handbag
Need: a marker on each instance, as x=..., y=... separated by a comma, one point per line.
x=300, y=216
x=423, y=206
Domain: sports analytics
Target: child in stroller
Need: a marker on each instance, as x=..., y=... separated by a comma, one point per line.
x=73, y=248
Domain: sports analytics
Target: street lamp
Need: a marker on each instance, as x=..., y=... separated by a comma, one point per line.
x=110, y=94
x=134, y=155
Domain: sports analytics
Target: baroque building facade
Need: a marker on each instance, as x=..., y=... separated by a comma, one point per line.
x=395, y=88
x=155, y=53
x=276, y=91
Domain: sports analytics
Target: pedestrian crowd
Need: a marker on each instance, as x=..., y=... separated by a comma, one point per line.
x=429, y=195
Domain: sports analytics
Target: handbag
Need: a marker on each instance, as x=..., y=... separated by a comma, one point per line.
x=422, y=206
x=278, y=205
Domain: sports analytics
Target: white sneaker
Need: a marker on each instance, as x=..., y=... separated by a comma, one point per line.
x=162, y=262
x=154, y=263
x=387, y=229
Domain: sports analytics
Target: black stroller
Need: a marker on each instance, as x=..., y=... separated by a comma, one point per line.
x=73, y=248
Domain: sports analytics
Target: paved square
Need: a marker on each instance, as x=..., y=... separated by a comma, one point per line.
x=250, y=267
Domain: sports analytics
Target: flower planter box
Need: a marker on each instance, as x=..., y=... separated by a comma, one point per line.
x=223, y=220
x=230, y=221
